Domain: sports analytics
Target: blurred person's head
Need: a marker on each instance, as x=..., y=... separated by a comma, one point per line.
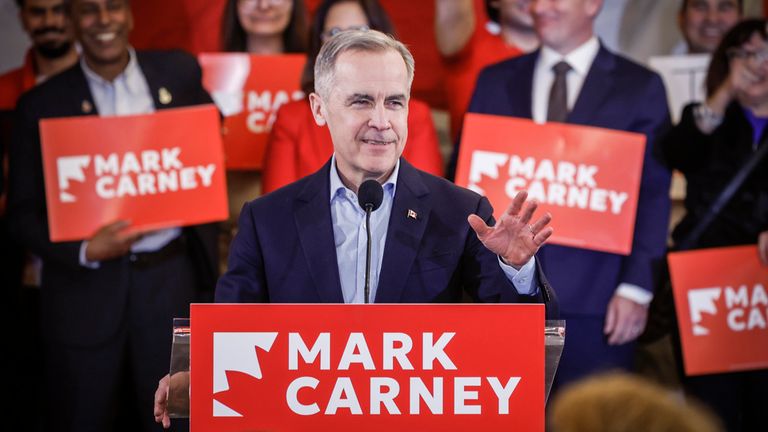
x=362, y=87
x=704, y=22
x=47, y=25
x=744, y=46
x=625, y=403
x=252, y=26
x=335, y=16
x=102, y=28
x=564, y=25
x=510, y=13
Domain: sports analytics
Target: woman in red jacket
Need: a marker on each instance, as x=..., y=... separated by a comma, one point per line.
x=297, y=146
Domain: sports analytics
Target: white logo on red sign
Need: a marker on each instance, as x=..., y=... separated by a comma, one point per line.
x=131, y=174
x=561, y=183
x=234, y=351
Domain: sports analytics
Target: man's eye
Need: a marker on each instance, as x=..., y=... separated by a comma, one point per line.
x=395, y=104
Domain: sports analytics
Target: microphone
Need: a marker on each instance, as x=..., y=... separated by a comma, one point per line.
x=369, y=196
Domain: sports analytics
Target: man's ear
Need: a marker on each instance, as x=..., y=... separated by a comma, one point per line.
x=316, y=104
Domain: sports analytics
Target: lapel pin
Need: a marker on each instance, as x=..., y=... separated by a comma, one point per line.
x=86, y=107
x=412, y=214
x=164, y=96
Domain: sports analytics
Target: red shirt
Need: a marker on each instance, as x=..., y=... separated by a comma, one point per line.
x=297, y=146
x=16, y=82
x=482, y=49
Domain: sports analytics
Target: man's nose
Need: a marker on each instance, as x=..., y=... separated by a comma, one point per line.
x=379, y=118
x=104, y=16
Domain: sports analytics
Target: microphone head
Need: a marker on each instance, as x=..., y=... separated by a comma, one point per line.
x=370, y=194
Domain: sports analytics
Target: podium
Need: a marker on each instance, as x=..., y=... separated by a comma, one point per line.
x=364, y=367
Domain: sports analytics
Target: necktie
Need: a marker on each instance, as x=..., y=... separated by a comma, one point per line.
x=557, y=110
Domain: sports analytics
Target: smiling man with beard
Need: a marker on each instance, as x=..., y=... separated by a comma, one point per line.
x=52, y=49
x=107, y=303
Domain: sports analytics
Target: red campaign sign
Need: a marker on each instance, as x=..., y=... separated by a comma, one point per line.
x=153, y=170
x=372, y=367
x=588, y=178
x=722, y=309
x=249, y=90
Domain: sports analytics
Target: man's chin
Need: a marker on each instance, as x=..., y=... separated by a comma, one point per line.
x=52, y=50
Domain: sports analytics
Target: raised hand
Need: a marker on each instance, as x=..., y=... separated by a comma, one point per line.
x=514, y=238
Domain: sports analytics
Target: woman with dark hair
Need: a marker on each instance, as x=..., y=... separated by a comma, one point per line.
x=264, y=26
x=297, y=146
x=710, y=146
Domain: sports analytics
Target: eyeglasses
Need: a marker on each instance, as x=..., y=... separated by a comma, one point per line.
x=739, y=53
x=253, y=4
x=333, y=31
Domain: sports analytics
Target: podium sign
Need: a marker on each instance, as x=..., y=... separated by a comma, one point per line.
x=367, y=367
x=154, y=170
x=249, y=90
x=722, y=309
x=588, y=178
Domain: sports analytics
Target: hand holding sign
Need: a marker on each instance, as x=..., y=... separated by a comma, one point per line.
x=111, y=241
x=512, y=238
x=762, y=247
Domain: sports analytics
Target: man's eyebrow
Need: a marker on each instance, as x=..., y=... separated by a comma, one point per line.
x=398, y=97
x=359, y=96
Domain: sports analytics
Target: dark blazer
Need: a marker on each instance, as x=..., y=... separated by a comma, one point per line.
x=617, y=94
x=284, y=251
x=81, y=306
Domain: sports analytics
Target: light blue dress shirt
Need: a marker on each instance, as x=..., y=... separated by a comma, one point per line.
x=127, y=94
x=350, y=238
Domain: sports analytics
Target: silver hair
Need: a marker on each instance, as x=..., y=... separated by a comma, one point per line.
x=356, y=40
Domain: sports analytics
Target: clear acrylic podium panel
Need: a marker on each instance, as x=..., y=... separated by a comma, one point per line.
x=178, y=393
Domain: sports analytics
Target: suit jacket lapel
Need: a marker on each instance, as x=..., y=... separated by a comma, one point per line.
x=597, y=88
x=313, y=224
x=520, y=86
x=82, y=100
x=404, y=233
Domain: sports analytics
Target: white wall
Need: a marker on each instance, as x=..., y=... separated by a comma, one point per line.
x=14, y=41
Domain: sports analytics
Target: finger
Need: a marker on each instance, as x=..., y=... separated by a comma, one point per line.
x=479, y=225
x=166, y=421
x=517, y=203
x=528, y=211
x=541, y=237
x=620, y=332
x=610, y=320
x=763, y=251
x=118, y=226
x=541, y=223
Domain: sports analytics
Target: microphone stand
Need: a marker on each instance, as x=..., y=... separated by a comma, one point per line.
x=368, y=210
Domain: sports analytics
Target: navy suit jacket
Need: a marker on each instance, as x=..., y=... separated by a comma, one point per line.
x=82, y=306
x=617, y=94
x=284, y=251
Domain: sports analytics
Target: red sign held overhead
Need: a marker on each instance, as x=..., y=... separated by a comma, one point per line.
x=373, y=367
x=722, y=309
x=153, y=170
x=249, y=90
x=588, y=178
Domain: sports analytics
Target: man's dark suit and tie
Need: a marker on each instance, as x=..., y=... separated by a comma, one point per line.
x=602, y=296
x=107, y=303
x=304, y=243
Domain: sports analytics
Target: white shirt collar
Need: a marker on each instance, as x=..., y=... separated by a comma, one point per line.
x=337, y=184
x=131, y=74
x=580, y=59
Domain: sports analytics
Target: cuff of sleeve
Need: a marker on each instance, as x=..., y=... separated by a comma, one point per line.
x=635, y=293
x=523, y=279
x=84, y=261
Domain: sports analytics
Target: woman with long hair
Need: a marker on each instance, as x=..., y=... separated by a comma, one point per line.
x=264, y=26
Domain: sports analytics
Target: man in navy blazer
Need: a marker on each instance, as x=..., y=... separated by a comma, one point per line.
x=306, y=242
x=298, y=245
x=107, y=305
x=603, y=296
